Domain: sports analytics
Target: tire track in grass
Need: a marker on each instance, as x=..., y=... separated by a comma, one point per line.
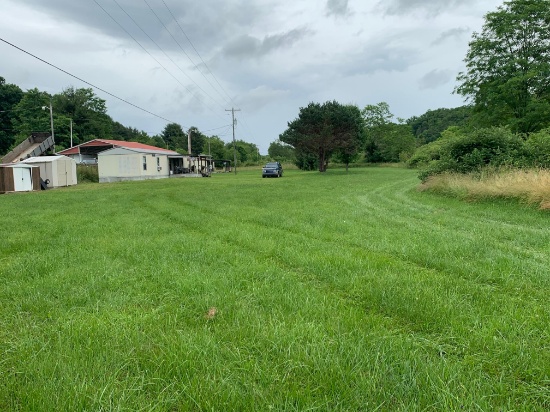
x=362, y=286
x=388, y=207
x=308, y=234
x=446, y=343
x=504, y=294
x=379, y=289
x=243, y=242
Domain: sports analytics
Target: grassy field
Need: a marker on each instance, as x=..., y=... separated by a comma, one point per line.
x=312, y=292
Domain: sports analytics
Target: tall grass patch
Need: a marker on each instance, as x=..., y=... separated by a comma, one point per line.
x=87, y=173
x=530, y=186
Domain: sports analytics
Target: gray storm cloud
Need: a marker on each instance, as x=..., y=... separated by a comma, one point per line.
x=247, y=46
x=383, y=56
x=337, y=8
x=429, y=7
x=456, y=33
x=435, y=79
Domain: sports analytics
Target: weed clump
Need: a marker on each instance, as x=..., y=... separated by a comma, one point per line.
x=87, y=173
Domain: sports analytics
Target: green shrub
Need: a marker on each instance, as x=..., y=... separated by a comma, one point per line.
x=537, y=149
x=87, y=173
x=427, y=153
x=471, y=152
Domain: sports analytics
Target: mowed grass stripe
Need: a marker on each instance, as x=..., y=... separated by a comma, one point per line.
x=443, y=230
x=324, y=300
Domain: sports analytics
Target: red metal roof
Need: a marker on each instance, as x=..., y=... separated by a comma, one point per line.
x=113, y=143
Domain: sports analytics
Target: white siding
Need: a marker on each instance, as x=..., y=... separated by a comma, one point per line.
x=59, y=170
x=124, y=164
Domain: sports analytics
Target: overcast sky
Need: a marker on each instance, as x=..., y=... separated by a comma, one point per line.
x=189, y=61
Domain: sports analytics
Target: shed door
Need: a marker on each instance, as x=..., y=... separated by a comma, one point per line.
x=62, y=173
x=22, y=179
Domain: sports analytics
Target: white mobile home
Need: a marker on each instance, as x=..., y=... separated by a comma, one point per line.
x=56, y=171
x=135, y=164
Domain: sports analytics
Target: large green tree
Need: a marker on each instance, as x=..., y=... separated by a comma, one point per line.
x=198, y=141
x=281, y=152
x=246, y=152
x=174, y=137
x=87, y=111
x=507, y=74
x=217, y=148
x=32, y=114
x=10, y=96
x=386, y=141
x=324, y=129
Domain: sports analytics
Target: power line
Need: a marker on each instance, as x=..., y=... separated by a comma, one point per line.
x=198, y=54
x=196, y=51
x=181, y=48
x=140, y=45
x=217, y=128
x=161, y=49
x=84, y=81
x=202, y=60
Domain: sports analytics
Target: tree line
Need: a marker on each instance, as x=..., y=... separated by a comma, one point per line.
x=25, y=112
x=506, y=120
x=346, y=134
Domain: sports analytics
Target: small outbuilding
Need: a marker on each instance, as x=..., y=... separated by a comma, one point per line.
x=19, y=177
x=56, y=171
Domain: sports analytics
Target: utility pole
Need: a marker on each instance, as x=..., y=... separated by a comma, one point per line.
x=71, y=132
x=233, y=110
x=51, y=123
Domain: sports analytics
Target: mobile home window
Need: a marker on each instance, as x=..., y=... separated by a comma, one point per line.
x=144, y=162
x=158, y=161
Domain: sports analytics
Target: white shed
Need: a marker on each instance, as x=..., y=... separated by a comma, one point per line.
x=123, y=163
x=58, y=170
x=18, y=177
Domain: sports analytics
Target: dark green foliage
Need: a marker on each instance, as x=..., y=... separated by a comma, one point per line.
x=87, y=173
x=323, y=130
x=174, y=137
x=131, y=134
x=10, y=96
x=281, y=152
x=429, y=126
x=386, y=141
x=22, y=113
x=88, y=113
x=247, y=153
x=306, y=161
x=471, y=152
x=390, y=143
x=198, y=141
x=427, y=153
x=537, y=149
x=217, y=148
x=508, y=67
x=81, y=107
x=31, y=114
